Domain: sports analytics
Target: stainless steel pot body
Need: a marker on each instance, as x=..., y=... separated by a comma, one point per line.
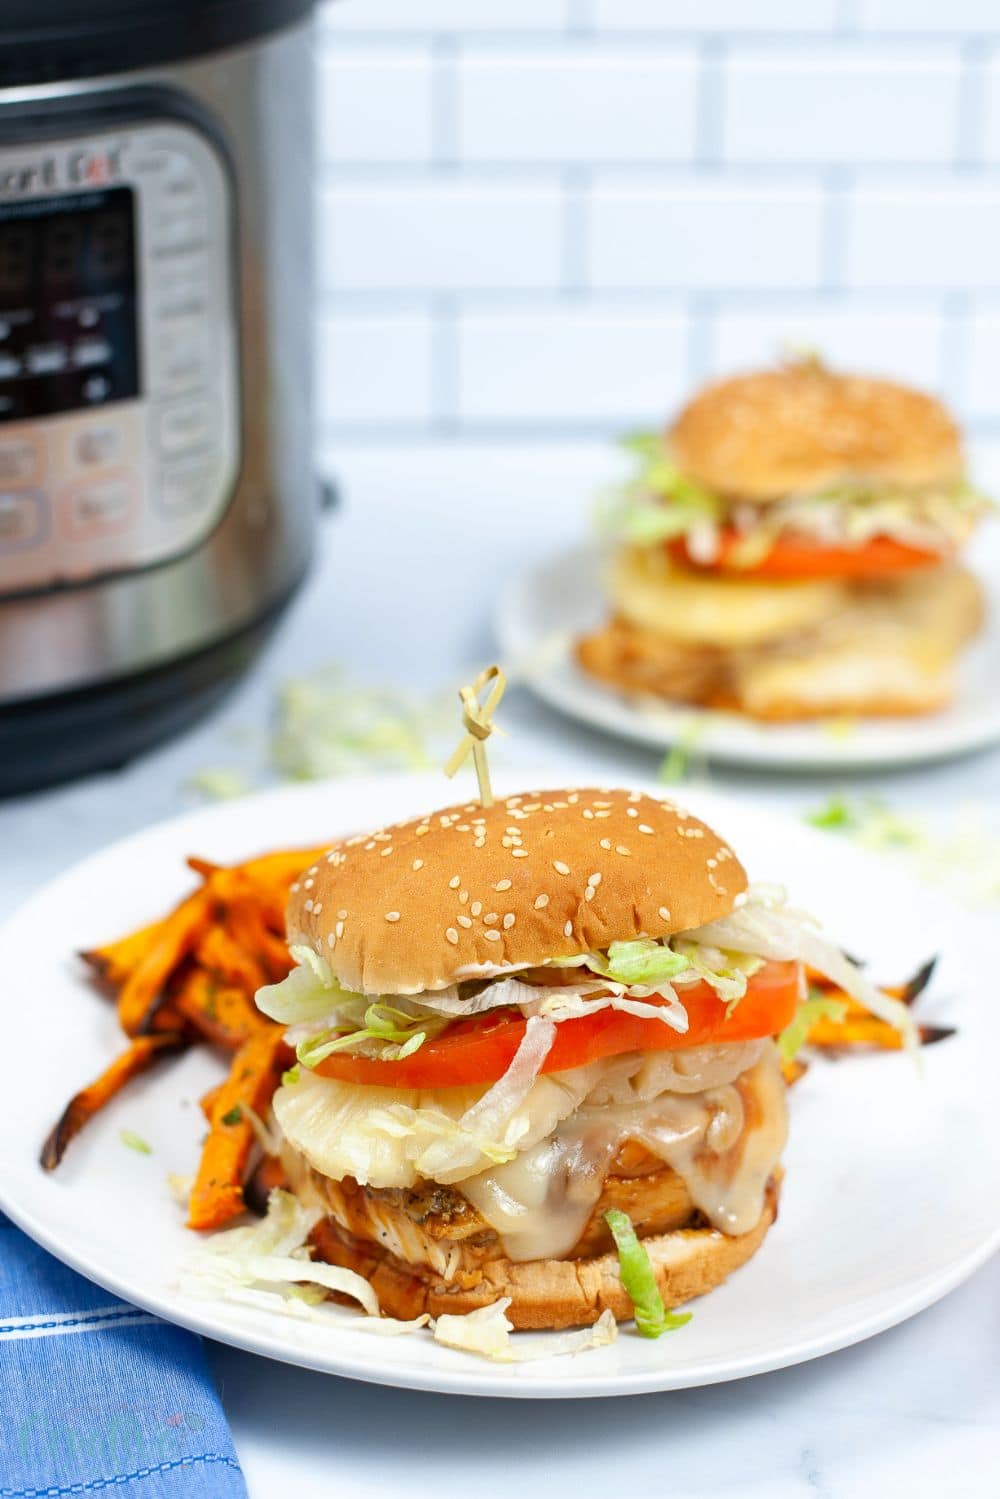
x=157, y=490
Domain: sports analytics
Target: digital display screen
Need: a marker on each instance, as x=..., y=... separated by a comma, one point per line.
x=68, y=325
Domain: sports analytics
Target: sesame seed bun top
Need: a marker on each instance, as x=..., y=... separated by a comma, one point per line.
x=802, y=428
x=469, y=891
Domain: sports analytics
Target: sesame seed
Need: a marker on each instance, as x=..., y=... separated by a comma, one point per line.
x=603, y=804
x=594, y=879
x=589, y=893
x=541, y=901
x=492, y=936
x=451, y=935
x=502, y=885
x=309, y=884
x=392, y=915
x=309, y=905
x=606, y=843
x=386, y=850
x=509, y=920
x=461, y=827
x=491, y=918
x=476, y=907
x=588, y=814
x=602, y=814
x=339, y=929
x=560, y=867
x=463, y=897
x=663, y=913
x=454, y=882
x=342, y=915
x=296, y=888
x=463, y=921
x=621, y=849
x=519, y=853
x=631, y=812
x=331, y=940
x=317, y=908
x=568, y=929
x=644, y=827
x=370, y=844
x=418, y=864
x=419, y=833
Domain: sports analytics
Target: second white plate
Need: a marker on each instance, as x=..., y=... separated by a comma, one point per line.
x=544, y=610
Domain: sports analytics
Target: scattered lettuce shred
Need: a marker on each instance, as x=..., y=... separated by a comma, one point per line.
x=652, y=1319
x=258, y=1265
x=487, y=1331
x=326, y=726
x=964, y=856
x=796, y=1032
x=135, y=1142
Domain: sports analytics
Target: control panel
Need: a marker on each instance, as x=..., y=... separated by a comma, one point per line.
x=119, y=374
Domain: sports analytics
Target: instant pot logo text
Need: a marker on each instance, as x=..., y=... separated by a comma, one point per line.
x=70, y=169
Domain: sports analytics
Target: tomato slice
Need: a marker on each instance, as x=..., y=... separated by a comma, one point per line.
x=480, y=1049
x=799, y=557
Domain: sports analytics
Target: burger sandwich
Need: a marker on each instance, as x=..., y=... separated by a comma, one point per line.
x=536, y=1056
x=789, y=550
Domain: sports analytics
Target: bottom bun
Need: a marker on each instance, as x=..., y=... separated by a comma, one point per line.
x=889, y=651
x=548, y=1294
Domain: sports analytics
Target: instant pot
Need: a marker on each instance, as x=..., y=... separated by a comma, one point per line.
x=157, y=490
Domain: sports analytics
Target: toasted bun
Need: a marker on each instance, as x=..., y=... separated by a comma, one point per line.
x=762, y=436
x=549, y=1293
x=470, y=891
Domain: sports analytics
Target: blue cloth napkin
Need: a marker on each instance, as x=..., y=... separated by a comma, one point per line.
x=98, y=1396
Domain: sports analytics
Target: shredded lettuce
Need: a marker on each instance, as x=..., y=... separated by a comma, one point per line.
x=660, y=503
x=256, y=1265
x=764, y=926
x=652, y=1318
x=135, y=1142
x=796, y=1032
x=643, y=962
x=327, y=726
x=487, y=1331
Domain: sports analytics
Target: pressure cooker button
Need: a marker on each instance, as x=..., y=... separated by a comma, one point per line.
x=186, y=488
x=23, y=520
x=101, y=509
x=182, y=358
x=95, y=447
x=185, y=426
x=20, y=460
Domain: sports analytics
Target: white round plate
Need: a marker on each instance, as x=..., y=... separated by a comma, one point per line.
x=543, y=611
x=890, y=1194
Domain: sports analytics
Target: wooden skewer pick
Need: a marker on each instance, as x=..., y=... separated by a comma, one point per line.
x=477, y=720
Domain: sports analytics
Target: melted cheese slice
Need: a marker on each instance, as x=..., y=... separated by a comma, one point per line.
x=724, y=1144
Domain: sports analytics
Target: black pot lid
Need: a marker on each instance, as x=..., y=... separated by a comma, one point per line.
x=42, y=41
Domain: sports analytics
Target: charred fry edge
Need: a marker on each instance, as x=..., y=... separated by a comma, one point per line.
x=82, y=1107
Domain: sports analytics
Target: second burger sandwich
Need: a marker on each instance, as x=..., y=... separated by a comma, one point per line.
x=512, y=1021
x=790, y=550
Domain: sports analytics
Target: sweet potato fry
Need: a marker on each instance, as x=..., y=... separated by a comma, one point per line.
x=220, y=1013
x=207, y=1101
x=136, y=1057
x=866, y=1030
x=268, y=952
x=115, y=961
x=217, y=1195
x=228, y=960
x=792, y=1070
x=177, y=936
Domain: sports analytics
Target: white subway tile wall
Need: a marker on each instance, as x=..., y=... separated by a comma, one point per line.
x=549, y=219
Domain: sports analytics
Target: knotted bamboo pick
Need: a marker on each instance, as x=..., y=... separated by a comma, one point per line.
x=477, y=720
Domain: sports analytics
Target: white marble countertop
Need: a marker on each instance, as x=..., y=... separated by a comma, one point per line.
x=401, y=592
